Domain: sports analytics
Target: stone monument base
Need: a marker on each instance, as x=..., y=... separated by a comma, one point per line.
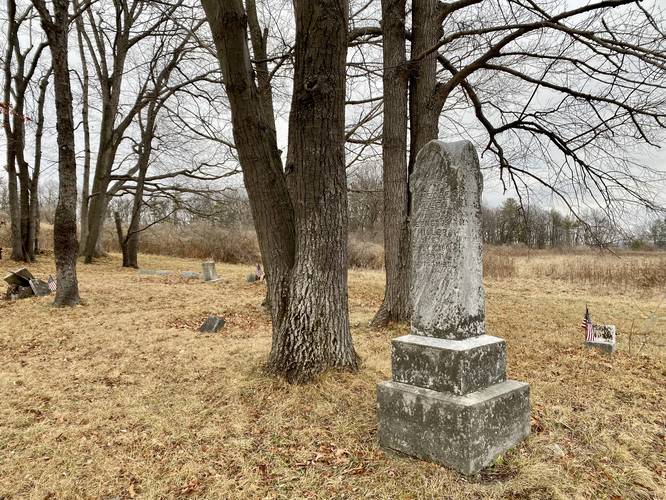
x=604, y=346
x=464, y=432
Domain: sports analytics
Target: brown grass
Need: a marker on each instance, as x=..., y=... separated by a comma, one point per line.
x=122, y=398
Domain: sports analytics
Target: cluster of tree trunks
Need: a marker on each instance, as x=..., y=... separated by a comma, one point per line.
x=408, y=85
x=300, y=212
x=23, y=181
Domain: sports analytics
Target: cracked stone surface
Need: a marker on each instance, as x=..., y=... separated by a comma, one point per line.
x=463, y=432
x=457, y=366
x=446, y=273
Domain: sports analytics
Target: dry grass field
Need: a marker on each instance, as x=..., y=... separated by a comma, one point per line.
x=122, y=398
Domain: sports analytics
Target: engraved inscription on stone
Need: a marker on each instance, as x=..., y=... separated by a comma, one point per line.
x=446, y=275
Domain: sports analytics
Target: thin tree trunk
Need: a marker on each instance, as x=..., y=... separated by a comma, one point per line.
x=396, y=305
x=36, y=171
x=259, y=40
x=131, y=241
x=24, y=181
x=12, y=177
x=98, y=201
x=109, y=134
x=423, y=127
x=85, y=189
x=122, y=240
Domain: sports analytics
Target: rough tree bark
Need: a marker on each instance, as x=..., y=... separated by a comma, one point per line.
x=396, y=305
x=315, y=333
x=424, y=113
x=301, y=227
x=65, y=244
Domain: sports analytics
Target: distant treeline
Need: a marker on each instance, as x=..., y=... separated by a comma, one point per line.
x=508, y=224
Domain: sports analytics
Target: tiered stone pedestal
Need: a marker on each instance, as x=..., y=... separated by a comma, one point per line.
x=449, y=402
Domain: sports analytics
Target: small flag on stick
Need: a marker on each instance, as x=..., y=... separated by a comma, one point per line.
x=53, y=284
x=586, y=325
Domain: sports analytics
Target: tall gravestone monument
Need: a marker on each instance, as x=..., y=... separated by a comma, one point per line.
x=449, y=401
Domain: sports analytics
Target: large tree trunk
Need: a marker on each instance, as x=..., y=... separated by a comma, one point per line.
x=65, y=244
x=257, y=150
x=314, y=335
x=308, y=288
x=396, y=305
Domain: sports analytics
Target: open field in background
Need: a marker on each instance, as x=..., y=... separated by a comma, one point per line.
x=619, y=269
x=122, y=398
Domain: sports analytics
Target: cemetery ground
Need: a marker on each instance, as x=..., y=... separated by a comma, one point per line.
x=123, y=398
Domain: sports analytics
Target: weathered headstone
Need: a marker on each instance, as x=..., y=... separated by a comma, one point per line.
x=449, y=400
x=21, y=277
x=603, y=337
x=40, y=288
x=209, y=272
x=212, y=324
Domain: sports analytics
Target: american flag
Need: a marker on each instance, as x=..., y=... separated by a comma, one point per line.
x=53, y=284
x=586, y=325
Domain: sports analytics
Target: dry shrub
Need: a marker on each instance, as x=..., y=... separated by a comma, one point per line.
x=365, y=254
x=233, y=246
x=498, y=265
x=5, y=237
x=196, y=241
x=625, y=271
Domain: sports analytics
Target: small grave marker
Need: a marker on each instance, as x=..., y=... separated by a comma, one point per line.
x=603, y=337
x=212, y=324
x=599, y=336
x=209, y=272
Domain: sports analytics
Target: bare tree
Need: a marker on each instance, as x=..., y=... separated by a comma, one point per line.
x=300, y=214
x=570, y=87
x=108, y=45
x=19, y=68
x=65, y=244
